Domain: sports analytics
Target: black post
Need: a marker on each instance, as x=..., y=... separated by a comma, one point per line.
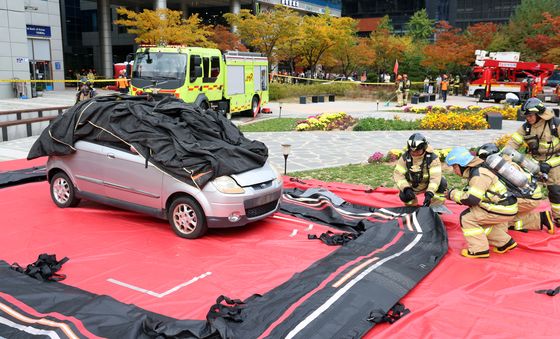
x=285, y=163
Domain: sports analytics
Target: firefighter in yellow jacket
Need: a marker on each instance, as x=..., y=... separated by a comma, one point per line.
x=540, y=133
x=419, y=171
x=491, y=206
x=527, y=219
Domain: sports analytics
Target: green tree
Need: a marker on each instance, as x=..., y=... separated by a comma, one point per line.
x=385, y=24
x=164, y=27
x=420, y=27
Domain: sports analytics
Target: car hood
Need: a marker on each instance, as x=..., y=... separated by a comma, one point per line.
x=255, y=176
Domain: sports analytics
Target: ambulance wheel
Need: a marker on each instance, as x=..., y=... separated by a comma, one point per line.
x=187, y=218
x=255, y=105
x=63, y=192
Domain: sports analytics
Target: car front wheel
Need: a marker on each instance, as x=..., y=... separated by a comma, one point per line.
x=63, y=192
x=187, y=218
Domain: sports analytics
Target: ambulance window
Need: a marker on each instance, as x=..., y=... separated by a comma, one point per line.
x=206, y=67
x=215, y=67
x=211, y=69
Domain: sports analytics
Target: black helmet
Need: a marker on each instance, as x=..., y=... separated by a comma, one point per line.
x=487, y=149
x=417, y=142
x=533, y=105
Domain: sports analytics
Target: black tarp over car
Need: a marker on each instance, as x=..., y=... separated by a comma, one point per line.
x=193, y=145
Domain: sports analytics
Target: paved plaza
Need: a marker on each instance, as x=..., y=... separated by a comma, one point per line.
x=310, y=150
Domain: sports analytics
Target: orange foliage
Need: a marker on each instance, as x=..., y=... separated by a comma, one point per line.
x=547, y=43
x=450, y=49
x=482, y=34
x=226, y=40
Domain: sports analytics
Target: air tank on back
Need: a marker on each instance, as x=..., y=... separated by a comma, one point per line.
x=525, y=163
x=510, y=173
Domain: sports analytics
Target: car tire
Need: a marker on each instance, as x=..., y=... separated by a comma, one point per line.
x=63, y=192
x=187, y=218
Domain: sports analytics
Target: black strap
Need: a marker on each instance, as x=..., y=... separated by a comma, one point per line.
x=230, y=311
x=395, y=313
x=334, y=239
x=44, y=269
x=551, y=293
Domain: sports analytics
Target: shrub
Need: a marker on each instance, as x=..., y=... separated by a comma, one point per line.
x=279, y=91
x=380, y=124
x=326, y=122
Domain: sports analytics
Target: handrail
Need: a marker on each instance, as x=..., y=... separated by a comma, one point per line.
x=32, y=110
x=28, y=121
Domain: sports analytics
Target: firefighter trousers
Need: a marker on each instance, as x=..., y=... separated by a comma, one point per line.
x=553, y=186
x=400, y=100
x=482, y=229
x=527, y=218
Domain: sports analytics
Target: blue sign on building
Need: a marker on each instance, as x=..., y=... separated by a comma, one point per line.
x=39, y=31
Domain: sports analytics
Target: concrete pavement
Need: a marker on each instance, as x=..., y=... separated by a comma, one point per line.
x=310, y=150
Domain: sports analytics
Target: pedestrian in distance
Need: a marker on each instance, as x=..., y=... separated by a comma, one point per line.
x=444, y=87
x=399, y=91
x=122, y=82
x=438, y=86
x=406, y=88
x=426, y=84
x=490, y=206
x=418, y=170
x=85, y=92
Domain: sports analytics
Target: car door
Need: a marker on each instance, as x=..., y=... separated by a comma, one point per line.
x=127, y=178
x=84, y=166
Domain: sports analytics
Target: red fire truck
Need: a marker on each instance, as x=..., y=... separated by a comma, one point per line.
x=492, y=78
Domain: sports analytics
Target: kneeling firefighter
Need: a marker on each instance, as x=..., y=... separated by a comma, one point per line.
x=419, y=171
x=540, y=133
x=491, y=206
x=527, y=199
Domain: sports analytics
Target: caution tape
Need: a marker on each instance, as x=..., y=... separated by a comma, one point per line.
x=344, y=81
x=28, y=80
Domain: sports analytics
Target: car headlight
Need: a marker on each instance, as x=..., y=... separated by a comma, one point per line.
x=226, y=184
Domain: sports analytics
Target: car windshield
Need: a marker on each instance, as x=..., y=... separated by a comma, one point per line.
x=155, y=66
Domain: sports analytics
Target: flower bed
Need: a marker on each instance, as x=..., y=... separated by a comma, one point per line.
x=453, y=121
x=508, y=112
x=326, y=122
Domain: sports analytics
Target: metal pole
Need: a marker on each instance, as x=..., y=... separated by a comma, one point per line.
x=106, y=48
x=285, y=164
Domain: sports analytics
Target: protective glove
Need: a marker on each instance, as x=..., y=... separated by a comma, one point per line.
x=545, y=168
x=428, y=199
x=448, y=195
x=407, y=195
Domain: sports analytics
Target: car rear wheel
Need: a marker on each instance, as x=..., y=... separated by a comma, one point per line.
x=63, y=192
x=187, y=218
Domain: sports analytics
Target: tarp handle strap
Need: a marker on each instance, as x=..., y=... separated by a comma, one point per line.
x=334, y=239
x=395, y=313
x=231, y=310
x=551, y=293
x=44, y=268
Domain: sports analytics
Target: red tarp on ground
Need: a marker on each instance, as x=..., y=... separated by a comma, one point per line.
x=460, y=298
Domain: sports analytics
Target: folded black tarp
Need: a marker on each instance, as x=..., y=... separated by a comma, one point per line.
x=193, y=145
x=22, y=176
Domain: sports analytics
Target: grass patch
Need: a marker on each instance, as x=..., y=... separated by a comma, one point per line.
x=271, y=125
x=380, y=124
x=373, y=175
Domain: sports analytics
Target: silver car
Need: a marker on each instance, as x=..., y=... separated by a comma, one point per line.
x=116, y=175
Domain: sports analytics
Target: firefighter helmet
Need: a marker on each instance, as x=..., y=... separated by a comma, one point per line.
x=417, y=142
x=487, y=149
x=533, y=105
x=459, y=156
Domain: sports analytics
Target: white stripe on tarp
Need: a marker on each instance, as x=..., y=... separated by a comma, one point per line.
x=29, y=329
x=345, y=289
x=293, y=234
x=155, y=294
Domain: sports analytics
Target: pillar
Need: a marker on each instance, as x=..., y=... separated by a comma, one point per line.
x=106, y=48
x=160, y=4
x=184, y=9
x=234, y=7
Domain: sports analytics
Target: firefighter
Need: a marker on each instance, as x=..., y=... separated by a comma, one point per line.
x=491, y=206
x=85, y=92
x=399, y=91
x=406, y=88
x=527, y=219
x=540, y=133
x=444, y=88
x=419, y=171
x=457, y=84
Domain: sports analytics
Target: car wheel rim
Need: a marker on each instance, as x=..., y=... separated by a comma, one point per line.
x=184, y=218
x=61, y=190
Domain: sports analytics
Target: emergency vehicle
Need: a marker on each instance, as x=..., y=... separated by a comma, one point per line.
x=500, y=73
x=229, y=82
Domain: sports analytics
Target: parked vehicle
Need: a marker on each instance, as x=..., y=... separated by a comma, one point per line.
x=230, y=82
x=117, y=175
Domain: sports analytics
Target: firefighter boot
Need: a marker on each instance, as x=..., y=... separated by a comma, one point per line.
x=546, y=221
x=518, y=226
x=511, y=244
x=482, y=254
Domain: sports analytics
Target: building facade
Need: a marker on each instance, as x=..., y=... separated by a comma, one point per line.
x=30, y=46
